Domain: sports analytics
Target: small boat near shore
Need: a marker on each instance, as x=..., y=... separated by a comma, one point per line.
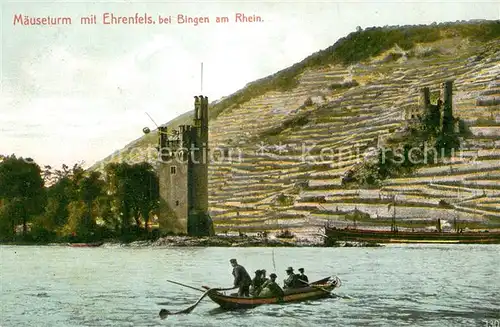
x=85, y=245
x=316, y=290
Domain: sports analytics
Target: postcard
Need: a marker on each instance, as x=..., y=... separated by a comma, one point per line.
x=209, y=163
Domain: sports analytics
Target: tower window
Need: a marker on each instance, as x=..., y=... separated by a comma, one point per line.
x=176, y=203
x=173, y=170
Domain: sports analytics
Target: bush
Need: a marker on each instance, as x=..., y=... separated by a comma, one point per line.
x=284, y=200
x=421, y=51
x=308, y=102
x=42, y=235
x=344, y=85
x=444, y=204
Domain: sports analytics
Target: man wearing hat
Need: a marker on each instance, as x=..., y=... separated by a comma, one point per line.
x=303, y=278
x=271, y=288
x=242, y=279
x=291, y=281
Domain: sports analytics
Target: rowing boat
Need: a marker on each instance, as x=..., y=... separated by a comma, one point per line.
x=317, y=290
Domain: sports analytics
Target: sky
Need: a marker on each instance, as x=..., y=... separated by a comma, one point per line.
x=78, y=92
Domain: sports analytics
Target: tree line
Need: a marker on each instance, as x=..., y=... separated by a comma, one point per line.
x=71, y=204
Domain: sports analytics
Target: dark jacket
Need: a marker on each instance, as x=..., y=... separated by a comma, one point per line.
x=302, y=279
x=257, y=282
x=273, y=287
x=292, y=281
x=241, y=277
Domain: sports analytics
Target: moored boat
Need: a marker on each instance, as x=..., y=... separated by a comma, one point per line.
x=359, y=235
x=316, y=290
x=86, y=245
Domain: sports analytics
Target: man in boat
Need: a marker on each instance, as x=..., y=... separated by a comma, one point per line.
x=304, y=281
x=263, y=276
x=242, y=279
x=257, y=282
x=292, y=280
x=271, y=288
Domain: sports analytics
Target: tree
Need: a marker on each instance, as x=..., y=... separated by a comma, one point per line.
x=10, y=213
x=22, y=190
x=135, y=189
x=76, y=225
x=146, y=194
x=89, y=189
x=62, y=191
x=118, y=186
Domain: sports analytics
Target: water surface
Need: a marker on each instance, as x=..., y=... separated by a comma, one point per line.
x=406, y=285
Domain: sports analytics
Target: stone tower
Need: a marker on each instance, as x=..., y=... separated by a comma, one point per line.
x=448, y=124
x=440, y=115
x=425, y=100
x=183, y=175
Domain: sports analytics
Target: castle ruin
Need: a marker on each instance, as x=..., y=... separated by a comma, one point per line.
x=441, y=112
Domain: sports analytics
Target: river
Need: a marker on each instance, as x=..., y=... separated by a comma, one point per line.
x=404, y=285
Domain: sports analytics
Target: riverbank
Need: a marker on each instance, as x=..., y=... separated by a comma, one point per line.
x=213, y=241
x=234, y=241
x=238, y=241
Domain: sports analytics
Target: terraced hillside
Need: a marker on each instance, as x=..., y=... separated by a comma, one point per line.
x=290, y=148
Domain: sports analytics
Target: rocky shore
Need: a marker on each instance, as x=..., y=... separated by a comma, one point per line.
x=236, y=241
x=213, y=241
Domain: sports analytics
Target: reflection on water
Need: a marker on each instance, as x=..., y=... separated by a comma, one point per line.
x=407, y=285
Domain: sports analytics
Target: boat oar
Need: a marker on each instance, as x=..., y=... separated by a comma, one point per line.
x=191, y=287
x=164, y=313
x=174, y=282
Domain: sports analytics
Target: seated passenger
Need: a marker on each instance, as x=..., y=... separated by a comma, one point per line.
x=271, y=288
x=257, y=282
x=263, y=276
x=292, y=280
x=303, y=280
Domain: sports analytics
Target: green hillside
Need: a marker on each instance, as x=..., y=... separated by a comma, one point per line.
x=347, y=99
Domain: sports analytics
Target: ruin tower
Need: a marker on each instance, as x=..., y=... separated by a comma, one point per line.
x=183, y=176
x=425, y=100
x=448, y=124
